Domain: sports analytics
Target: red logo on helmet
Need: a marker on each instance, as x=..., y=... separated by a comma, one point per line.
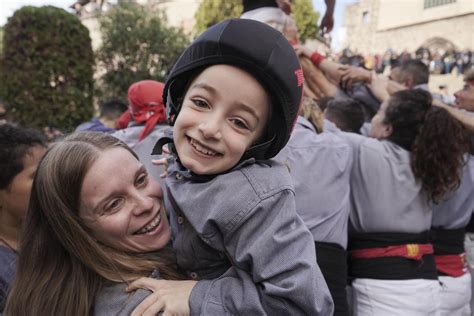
x=299, y=77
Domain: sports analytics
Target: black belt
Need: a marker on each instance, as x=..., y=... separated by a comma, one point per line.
x=332, y=260
x=447, y=241
x=390, y=268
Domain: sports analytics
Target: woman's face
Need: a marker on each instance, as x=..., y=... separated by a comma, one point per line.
x=122, y=204
x=379, y=129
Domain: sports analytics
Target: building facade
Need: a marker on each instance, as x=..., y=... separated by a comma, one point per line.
x=376, y=25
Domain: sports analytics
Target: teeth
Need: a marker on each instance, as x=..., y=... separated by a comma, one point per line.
x=202, y=149
x=150, y=226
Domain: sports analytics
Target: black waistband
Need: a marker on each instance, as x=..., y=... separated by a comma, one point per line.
x=390, y=268
x=448, y=241
x=332, y=260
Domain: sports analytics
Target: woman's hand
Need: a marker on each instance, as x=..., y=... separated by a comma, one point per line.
x=169, y=297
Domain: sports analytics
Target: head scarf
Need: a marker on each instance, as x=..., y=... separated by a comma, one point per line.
x=146, y=105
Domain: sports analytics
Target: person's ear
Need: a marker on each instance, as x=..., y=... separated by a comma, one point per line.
x=387, y=130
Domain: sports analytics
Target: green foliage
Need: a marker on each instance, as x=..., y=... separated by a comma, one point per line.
x=305, y=18
x=211, y=12
x=137, y=45
x=47, y=68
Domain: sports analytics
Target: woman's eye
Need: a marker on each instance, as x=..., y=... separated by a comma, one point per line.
x=142, y=179
x=240, y=124
x=200, y=103
x=113, y=205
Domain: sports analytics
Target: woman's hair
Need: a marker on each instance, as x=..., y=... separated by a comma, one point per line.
x=311, y=111
x=61, y=267
x=436, y=140
x=15, y=143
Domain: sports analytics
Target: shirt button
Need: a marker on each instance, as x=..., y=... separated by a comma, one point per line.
x=179, y=176
x=193, y=275
x=180, y=220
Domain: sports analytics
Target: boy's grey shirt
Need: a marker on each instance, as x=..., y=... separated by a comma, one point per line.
x=320, y=167
x=247, y=215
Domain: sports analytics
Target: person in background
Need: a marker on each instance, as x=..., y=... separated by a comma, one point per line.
x=110, y=111
x=145, y=122
x=320, y=168
x=3, y=112
x=327, y=23
x=20, y=151
x=347, y=114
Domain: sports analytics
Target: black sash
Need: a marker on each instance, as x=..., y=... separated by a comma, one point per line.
x=447, y=241
x=332, y=260
x=390, y=268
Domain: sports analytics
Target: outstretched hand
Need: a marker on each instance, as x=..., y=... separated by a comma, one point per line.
x=169, y=297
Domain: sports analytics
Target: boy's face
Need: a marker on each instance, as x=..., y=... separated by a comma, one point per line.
x=224, y=112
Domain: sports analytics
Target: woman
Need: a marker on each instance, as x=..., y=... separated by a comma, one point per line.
x=416, y=159
x=95, y=221
x=20, y=151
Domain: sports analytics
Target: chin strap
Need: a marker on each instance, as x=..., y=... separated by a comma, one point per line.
x=258, y=151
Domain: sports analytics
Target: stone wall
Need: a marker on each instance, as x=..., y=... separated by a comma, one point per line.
x=365, y=35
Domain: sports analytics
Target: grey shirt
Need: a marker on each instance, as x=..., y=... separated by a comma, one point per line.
x=144, y=147
x=320, y=167
x=114, y=300
x=239, y=234
x=456, y=208
x=386, y=196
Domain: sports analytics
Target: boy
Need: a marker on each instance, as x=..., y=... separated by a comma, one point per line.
x=233, y=97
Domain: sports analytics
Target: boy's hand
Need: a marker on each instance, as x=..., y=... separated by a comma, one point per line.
x=170, y=297
x=163, y=161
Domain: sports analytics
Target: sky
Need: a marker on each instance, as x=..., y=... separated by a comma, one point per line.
x=7, y=7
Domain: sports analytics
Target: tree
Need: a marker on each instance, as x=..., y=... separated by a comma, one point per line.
x=211, y=12
x=47, y=68
x=137, y=45
x=306, y=19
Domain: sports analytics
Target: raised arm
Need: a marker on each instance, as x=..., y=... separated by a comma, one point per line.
x=463, y=117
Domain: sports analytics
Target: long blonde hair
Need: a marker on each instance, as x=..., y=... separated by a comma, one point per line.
x=61, y=267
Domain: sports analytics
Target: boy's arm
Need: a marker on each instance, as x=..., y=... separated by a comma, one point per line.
x=274, y=245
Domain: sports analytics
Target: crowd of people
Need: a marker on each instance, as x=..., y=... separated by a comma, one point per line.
x=438, y=62
x=247, y=185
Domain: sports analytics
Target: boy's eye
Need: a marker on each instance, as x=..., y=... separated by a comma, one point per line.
x=240, y=123
x=200, y=103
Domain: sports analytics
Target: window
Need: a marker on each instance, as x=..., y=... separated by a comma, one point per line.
x=436, y=3
x=365, y=17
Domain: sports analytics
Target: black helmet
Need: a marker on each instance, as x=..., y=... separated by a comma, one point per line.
x=260, y=50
